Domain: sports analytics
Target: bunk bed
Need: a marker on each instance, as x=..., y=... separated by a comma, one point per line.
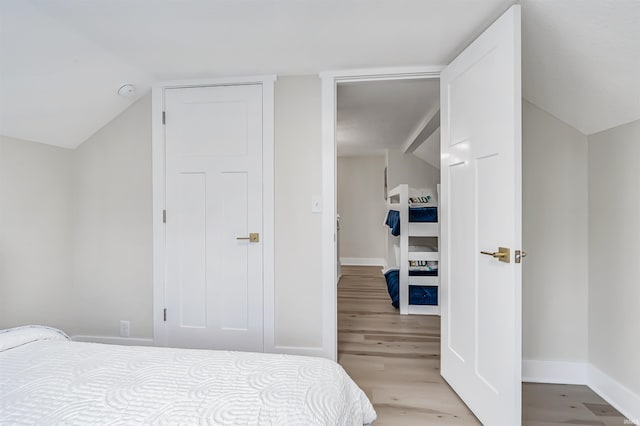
x=414, y=232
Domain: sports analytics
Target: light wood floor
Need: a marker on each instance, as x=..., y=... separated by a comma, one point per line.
x=395, y=359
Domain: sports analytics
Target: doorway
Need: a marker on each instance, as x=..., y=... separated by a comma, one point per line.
x=386, y=138
x=329, y=177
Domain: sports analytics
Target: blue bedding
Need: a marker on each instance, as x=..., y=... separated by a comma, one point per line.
x=418, y=295
x=416, y=214
x=393, y=222
x=423, y=214
x=423, y=273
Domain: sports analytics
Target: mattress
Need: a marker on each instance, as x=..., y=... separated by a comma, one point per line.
x=47, y=379
x=423, y=272
x=423, y=295
x=418, y=295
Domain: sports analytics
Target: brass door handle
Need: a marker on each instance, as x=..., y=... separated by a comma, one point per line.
x=494, y=254
x=253, y=237
x=503, y=254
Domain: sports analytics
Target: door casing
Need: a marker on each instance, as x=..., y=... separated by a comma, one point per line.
x=159, y=199
x=330, y=80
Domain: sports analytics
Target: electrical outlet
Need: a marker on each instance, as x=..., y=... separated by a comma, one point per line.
x=124, y=328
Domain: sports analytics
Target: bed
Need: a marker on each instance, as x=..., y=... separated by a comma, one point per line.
x=413, y=218
x=418, y=295
x=416, y=215
x=47, y=379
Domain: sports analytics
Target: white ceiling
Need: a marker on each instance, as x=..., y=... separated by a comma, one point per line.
x=581, y=60
x=373, y=116
x=56, y=85
x=61, y=61
x=429, y=150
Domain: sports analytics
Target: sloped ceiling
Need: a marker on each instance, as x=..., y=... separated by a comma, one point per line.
x=56, y=85
x=429, y=151
x=61, y=61
x=581, y=60
x=374, y=116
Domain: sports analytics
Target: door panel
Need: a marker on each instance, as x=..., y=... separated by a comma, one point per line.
x=214, y=285
x=234, y=253
x=481, y=211
x=193, y=250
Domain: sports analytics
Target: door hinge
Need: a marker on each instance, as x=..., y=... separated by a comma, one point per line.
x=165, y=314
x=164, y=117
x=164, y=216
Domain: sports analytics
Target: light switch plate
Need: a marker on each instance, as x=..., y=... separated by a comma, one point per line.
x=316, y=204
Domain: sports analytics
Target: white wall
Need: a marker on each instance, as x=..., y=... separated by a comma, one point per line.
x=409, y=169
x=614, y=254
x=113, y=226
x=35, y=234
x=298, y=176
x=108, y=220
x=554, y=223
x=362, y=208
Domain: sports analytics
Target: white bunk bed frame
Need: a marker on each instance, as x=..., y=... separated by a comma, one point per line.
x=398, y=199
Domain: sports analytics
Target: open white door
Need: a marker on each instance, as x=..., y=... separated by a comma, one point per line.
x=481, y=211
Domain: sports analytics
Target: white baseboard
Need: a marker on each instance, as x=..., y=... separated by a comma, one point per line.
x=302, y=350
x=618, y=395
x=564, y=373
x=114, y=340
x=362, y=261
x=135, y=341
x=580, y=373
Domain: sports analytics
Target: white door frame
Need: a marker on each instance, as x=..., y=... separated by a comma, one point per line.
x=330, y=79
x=159, y=198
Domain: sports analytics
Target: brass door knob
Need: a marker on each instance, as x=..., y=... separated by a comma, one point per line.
x=253, y=237
x=503, y=254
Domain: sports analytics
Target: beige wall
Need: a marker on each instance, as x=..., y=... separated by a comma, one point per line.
x=35, y=234
x=614, y=253
x=106, y=226
x=111, y=217
x=409, y=169
x=112, y=233
x=298, y=176
x=554, y=224
x=362, y=207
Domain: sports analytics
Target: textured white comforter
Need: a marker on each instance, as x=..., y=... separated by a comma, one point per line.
x=46, y=379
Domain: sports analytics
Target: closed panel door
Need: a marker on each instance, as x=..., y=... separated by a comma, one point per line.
x=214, y=287
x=481, y=212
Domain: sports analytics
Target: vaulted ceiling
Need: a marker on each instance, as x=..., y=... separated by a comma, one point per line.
x=376, y=115
x=61, y=61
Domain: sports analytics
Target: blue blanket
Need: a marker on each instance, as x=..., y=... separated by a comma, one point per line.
x=423, y=214
x=418, y=295
x=393, y=222
x=416, y=214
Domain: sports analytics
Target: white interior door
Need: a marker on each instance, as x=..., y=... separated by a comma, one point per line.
x=214, y=280
x=481, y=211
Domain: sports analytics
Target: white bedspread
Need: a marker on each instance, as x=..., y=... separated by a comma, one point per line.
x=46, y=379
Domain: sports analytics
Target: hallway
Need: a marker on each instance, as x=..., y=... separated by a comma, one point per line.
x=394, y=358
